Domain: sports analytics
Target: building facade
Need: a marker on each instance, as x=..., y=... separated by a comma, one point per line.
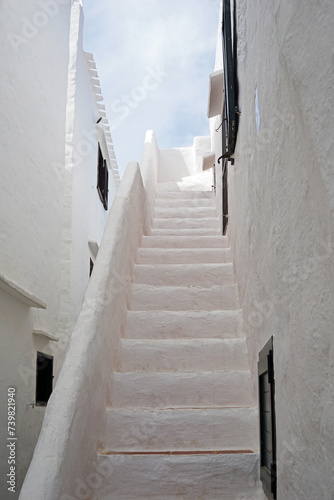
x=271, y=119
x=52, y=214
x=279, y=206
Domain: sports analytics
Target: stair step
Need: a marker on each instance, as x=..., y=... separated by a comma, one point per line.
x=183, y=355
x=186, y=202
x=183, y=255
x=184, y=212
x=185, y=242
x=164, y=192
x=205, y=476
x=177, y=324
x=202, y=231
x=184, y=274
x=188, y=223
x=177, y=298
x=182, y=429
x=191, y=390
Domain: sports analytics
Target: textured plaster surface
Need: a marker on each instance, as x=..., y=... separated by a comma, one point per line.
x=183, y=255
x=32, y=118
x=281, y=226
x=184, y=274
x=184, y=242
x=150, y=367
x=75, y=416
x=195, y=324
x=187, y=476
x=48, y=202
x=183, y=387
x=230, y=388
x=206, y=429
x=180, y=355
x=172, y=212
x=181, y=223
x=169, y=298
x=206, y=231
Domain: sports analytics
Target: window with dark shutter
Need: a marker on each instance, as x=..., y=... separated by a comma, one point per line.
x=229, y=46
x=44, y=378
x=102, y=179
x=267, y=420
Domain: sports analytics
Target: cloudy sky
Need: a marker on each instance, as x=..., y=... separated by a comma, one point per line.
x=154, y=58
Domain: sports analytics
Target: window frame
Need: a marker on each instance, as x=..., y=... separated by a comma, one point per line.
x=267, y=417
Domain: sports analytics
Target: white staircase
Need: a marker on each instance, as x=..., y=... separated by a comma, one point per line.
x=183, y=423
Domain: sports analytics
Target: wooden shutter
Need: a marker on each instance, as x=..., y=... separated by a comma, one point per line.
x=267, y=420
x=102, y=179
x=229, y=45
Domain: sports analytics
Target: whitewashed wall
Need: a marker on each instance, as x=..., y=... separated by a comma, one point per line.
x=33, y=106
x=281, y=225
x=216, y=124
x=75, y=418
x=182, y=162
x=48, y=210
x=84, y=215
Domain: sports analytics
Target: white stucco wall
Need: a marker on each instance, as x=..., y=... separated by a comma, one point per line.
x=281, y=193
x=149, y=169
x=182, y=162
x=84, y=217
x=216, y=123
x=49, y=208
x=32, y=116
x=75, y=416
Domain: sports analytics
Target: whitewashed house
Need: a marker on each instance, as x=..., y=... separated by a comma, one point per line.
x=201, y=363
x=274, y=124
x=52, y=216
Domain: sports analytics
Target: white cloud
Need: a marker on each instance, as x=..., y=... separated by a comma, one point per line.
x=129, y=36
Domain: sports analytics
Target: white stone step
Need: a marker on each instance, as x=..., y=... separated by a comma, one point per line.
x=186, y=202
x=163, y=192
x=206, y=231
x=184, y=324
x=181, y=223
x=183, y=255
x=184, y=212
x=183, y=355
x=206, y=476
x=185, y=242
x=182, y=429
x=189, y=390
x=171, y=298
x=184, y=274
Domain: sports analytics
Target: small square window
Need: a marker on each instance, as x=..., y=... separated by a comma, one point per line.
x=44, y=378
x=267, y=420
x=102, y=179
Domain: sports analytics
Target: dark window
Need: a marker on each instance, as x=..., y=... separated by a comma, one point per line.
x=91, y=267
x=267, y=420
x=44, y=378
x=230, y=112
x=102, y=179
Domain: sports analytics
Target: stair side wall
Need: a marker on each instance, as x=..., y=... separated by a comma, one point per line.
x=75, y=416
